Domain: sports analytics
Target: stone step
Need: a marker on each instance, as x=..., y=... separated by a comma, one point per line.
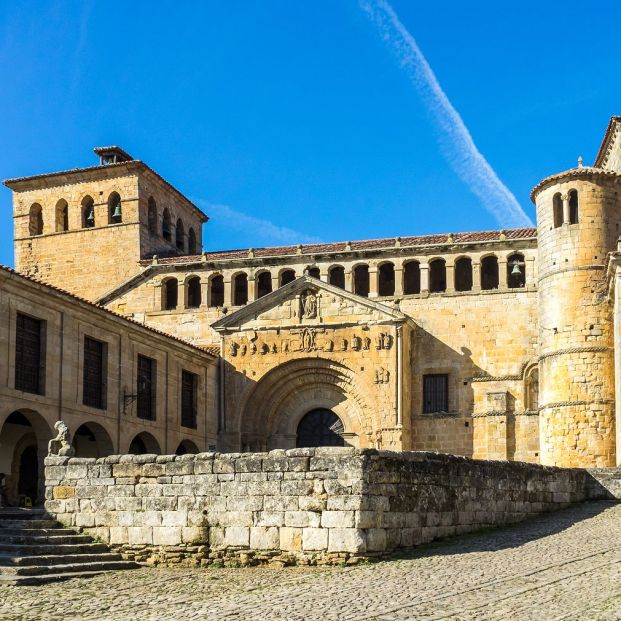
x=35, y=539
x=46, y=579
x=34, y=523
x=41, y=570
x=46, y=549
x=7, y=560
x=29, y=532
x=17, y=513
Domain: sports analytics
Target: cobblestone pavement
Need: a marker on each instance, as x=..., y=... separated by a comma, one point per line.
x=565, y=566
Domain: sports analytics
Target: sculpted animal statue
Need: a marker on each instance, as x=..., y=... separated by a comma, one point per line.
x=60, y=445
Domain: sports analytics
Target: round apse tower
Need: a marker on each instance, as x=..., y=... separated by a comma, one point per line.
x=578, y=218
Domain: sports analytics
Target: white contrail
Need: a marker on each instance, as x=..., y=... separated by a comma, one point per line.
x=456, y=141
x=267, y=232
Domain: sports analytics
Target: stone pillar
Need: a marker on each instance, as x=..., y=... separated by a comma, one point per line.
x=275, y=283
x=450, y=277
x=228, y=292
x=182, y=295
x=349, y=280
x=205, y=291
x=502, y=273
x=398, y=279
x=252, y=288
x=323, y=273
x=476, y=274
x=529, y=273
x=373, y=281
x=424, y=277
x=565, y=198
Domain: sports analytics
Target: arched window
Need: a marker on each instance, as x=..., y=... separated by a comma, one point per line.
x=531, y=389
x=386, y=276
x=144, y=443
x=152, y=216
x=463, y=274
x=411, y=277
x=179, y=235
x=171, y=294
x=35, y=225
x=88, y=212
x=240, y=290
x=286, y=276
x=516, y=271
x=115, y=211
x=557, y=209
x=216, y=291
x=62, y=216
x=320, y=427
x=194, y=292
x=192, y=241
x=361, y=280
x=437, y=276
x=187, y=447
x=573, y=207
x=489, y=273
x=336, y=276
x=264, y=284
x=166, y=225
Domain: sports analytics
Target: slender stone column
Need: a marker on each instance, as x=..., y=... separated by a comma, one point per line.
x=424, y=277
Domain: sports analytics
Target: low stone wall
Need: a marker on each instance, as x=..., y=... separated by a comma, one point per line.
x=317, y=506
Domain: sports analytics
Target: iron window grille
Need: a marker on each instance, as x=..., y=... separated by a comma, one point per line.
x=145, y=388
x=189, y=393
x=30, y=354
x=94, y=385
x=435, y=393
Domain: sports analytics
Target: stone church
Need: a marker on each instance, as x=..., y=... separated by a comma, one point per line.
x=491, y=344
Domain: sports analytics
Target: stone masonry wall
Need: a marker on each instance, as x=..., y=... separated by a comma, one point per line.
x=306, y=506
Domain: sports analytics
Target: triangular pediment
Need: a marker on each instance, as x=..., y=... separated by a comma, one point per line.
x=308, y=301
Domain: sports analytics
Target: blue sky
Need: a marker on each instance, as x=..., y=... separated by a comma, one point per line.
x=291, y=121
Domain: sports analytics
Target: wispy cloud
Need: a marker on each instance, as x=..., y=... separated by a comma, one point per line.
x=455, y=140
x=264, y=231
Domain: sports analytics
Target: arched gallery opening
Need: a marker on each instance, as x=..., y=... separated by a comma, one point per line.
x=92, y=440
x=144, y=444
x=187, y=447
x=23, y=445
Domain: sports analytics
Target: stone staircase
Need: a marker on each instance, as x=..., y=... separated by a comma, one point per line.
x=35, y=549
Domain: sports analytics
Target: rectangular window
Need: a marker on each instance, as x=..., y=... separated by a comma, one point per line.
x=30, y=354
x=145, y=389
x=189, y=392
x=94, y=374
x=435, y=393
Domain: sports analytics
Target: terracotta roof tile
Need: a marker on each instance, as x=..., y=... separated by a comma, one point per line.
x=580, y=171
x=14, y=273
x=368, y=244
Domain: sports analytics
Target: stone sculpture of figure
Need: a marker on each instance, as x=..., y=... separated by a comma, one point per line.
x=308, y=340
x=309, y=305
x=60, y=445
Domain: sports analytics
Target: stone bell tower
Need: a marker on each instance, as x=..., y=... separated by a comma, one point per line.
x=578, y=219
x=86, y=230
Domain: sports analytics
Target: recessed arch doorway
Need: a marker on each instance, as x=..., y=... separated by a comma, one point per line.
x=320, y=427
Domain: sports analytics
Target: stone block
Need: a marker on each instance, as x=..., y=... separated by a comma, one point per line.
x=118, y=535
x=166, y=535
x=302, y=518
x=269, y=518
x=376, y=540
x=314, y=539
x=140, y=535
x=244, y=503
x=313, y=503
x=264, y=538
x=222, y=465
x=174, y=518
x=337, y=519
x=195, y=535
x=350, y=540
x=63, y=491
x=237, y=536
x=291, y=539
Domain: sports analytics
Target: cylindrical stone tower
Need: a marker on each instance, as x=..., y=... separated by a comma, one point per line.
x=578, y=219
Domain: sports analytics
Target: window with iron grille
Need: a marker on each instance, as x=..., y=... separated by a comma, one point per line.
x=30, y=354
x=435, y=393
x=145, y=389
x=94, y=373
x=189, y=391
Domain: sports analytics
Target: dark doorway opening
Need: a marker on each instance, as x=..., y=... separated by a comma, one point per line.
x=320, y=427
x=28, y=483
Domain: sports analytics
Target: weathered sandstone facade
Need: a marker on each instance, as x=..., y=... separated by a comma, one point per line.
x=493, y=344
